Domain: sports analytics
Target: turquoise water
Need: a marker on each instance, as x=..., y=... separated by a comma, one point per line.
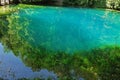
x=72, y=29
x=24, y=32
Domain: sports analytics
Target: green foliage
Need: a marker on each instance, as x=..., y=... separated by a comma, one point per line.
x=82, y=3
x=113, y=4
x=107, y=62
x=34, y=1
x=4, y=10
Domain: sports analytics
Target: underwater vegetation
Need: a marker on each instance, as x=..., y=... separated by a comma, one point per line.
x=101, y=63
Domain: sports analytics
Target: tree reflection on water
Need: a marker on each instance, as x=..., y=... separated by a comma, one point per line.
x=11, y=37
x=16, y=36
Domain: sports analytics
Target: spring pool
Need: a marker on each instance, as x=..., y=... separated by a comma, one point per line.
x=69, y=29
x=32, y=31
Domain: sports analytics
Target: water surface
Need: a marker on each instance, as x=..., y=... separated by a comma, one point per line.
x=70, y=29
x=28, y=32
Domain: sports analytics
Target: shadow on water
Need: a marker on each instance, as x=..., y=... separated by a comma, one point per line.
x=47, y=47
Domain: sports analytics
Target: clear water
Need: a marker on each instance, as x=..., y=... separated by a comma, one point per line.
x=56, y=29
x=71, y=29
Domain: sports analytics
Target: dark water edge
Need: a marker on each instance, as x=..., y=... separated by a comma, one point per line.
x=98, y=63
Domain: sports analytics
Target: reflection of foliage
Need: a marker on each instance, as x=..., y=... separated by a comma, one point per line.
x=12, y=32
x=3, y=24
x=107, y=62
x=67, y=66
x=98, y=62
x=14, y=37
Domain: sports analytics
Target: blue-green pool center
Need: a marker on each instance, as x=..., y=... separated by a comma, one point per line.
x=71, y=29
